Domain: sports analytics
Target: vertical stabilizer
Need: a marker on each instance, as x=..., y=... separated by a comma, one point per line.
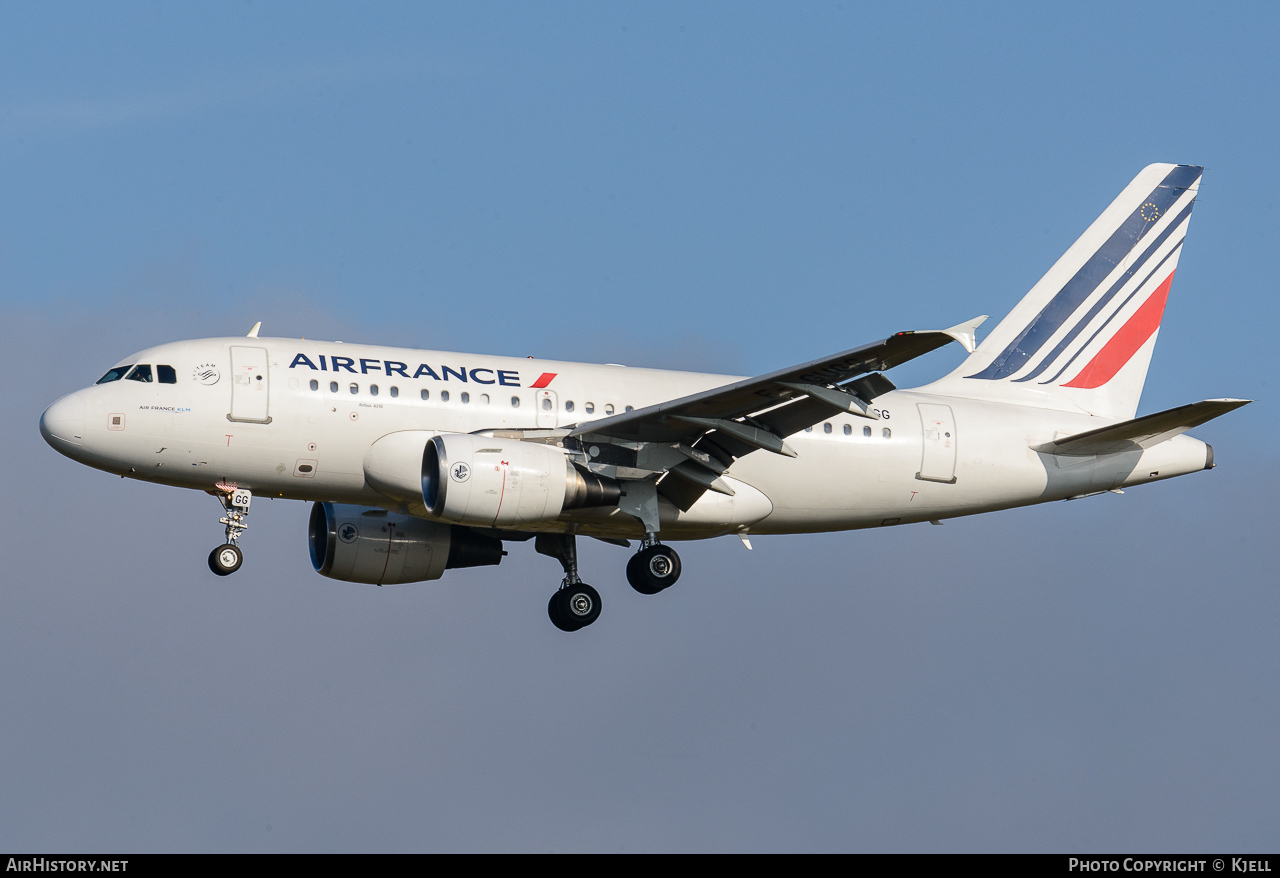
x=1082, y=337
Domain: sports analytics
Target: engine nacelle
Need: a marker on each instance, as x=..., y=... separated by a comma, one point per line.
x=480, y=480
x=359, y=544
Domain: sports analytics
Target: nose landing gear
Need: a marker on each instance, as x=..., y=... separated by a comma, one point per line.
x=227, y=558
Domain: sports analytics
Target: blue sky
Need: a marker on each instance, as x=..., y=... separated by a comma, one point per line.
x=727, y=187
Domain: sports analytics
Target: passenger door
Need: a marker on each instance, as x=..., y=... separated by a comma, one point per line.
x=938, y=461
x=250, y=380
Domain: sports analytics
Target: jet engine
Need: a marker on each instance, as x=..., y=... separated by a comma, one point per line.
x=359, y=544
x=480, y=480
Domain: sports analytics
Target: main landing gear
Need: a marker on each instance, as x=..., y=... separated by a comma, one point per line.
x=575, y=605
x=227, y=558
x=654, y=567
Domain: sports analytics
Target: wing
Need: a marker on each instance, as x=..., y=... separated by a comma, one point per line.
x=697, y=437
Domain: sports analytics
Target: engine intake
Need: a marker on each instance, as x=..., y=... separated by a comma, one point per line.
x=359, y=544
x=489, y=482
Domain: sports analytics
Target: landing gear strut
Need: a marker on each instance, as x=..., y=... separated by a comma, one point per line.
x=227, y=558
x=654, y=567
x=575, y=605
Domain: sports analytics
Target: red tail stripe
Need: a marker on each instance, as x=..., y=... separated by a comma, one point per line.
x=1125, y=343
x=544, y=379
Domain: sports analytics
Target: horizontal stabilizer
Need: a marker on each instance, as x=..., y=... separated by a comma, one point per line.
x=1142, y=432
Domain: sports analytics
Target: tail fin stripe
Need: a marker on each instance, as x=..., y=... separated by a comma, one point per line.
x=1176, y=225
x=1125, y=343
x=1136, y=290
x=1090, y=275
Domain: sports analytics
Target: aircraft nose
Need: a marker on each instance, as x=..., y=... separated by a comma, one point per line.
x=62, y=423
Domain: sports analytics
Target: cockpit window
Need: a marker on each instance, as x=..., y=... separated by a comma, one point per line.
x=114, y=375
x=140, y=373
x=166, y=374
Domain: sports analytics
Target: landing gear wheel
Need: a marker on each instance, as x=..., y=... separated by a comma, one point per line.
x=226, y=559
x=635, y=576
x=574, y=607
x=651, y=570
x=556, y=612
x=581, y=604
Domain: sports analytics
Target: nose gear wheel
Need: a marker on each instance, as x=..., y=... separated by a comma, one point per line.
x=226, y=559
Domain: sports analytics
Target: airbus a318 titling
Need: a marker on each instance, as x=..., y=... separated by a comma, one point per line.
x=421, y=461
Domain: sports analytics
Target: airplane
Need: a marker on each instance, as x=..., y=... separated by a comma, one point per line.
x=420, y=461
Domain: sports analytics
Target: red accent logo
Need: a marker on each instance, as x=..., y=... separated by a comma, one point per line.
x=1125, y=343
x=544, y=379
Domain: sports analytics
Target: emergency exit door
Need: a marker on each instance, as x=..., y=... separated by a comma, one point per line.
x=938, y=460
x=250, y=378
x=548, y=409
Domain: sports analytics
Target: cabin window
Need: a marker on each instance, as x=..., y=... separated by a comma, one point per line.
x=591, y=408
x=333, y=386
x=167, y=375
x=315, y=385
x=808, y=429
x=568, y=405
x=826, y=428
x=866, y=431
x=484, y=399
x=630, y=409
x=848, y=429
x=546, y=404
x=444, y=396
x=395, y=391
x=354, y=388
x=373, y=390
x=426, y=394
x=608, y=409
x=886, y=433
x=466, y=397
x=139, y=373
x=515, y=402
x=114, y=375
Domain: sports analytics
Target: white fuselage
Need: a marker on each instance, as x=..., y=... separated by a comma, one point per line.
x=290, y=440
